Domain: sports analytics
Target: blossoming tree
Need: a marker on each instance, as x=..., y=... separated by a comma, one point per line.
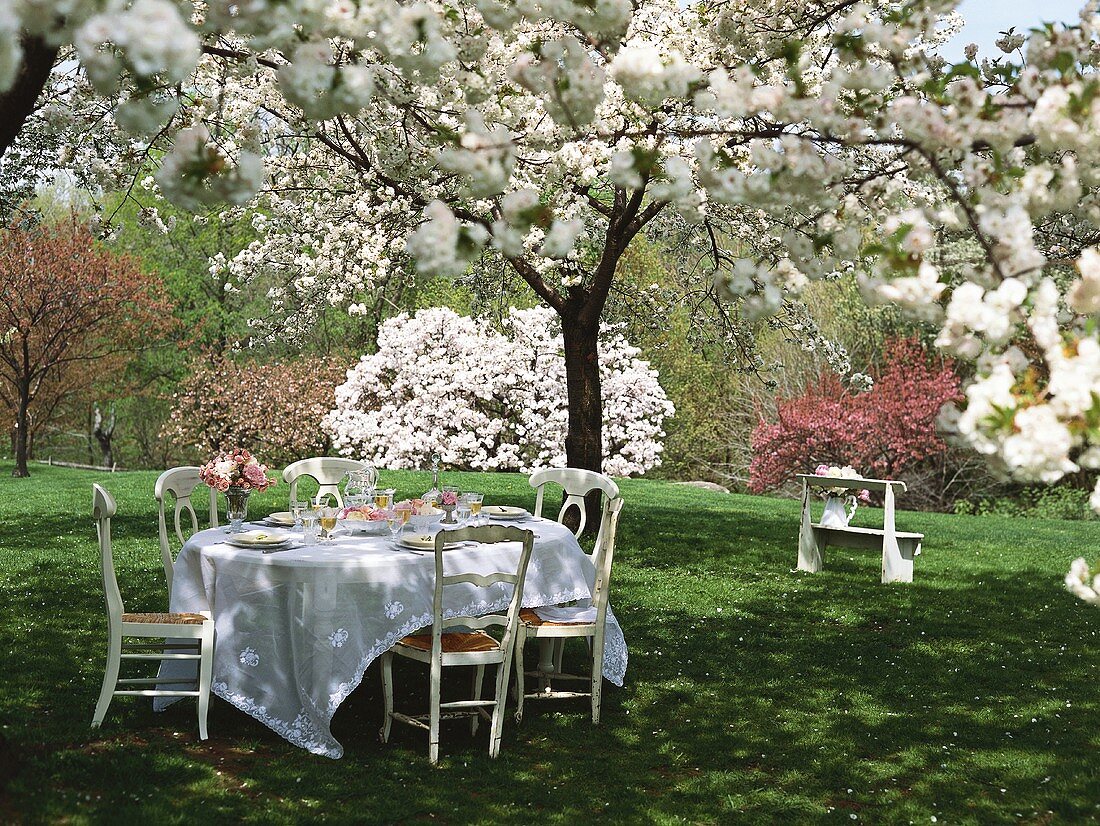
x=781, y=143
x=487, y=400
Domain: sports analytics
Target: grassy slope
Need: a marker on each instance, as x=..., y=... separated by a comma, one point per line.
x=753, y=692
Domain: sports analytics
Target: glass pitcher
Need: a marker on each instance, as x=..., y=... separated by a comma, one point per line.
x=359, y=488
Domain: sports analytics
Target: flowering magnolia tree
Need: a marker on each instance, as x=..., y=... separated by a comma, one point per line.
x=881, y=432
x=486, y=400
x=274, y=408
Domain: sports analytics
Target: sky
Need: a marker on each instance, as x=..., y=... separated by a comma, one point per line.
x=985, y=18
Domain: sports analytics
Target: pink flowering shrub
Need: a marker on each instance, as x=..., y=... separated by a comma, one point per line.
x=275, y=409
x=880, y=433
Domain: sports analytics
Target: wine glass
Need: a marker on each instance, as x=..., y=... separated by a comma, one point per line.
x=327, y=518
x=474, y=500
x=309, y=526
x=396, y=523
x=297, y=506
x=384, y=498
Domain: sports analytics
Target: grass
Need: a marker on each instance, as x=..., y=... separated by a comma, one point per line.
x=754, y=693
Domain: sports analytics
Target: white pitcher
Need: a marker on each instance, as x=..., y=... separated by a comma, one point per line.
x=836, y=515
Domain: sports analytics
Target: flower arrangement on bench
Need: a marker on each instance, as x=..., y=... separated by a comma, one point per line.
x=838, y=500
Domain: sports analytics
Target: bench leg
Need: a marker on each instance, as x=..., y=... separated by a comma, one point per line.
x=897, y=561
x=809, y=552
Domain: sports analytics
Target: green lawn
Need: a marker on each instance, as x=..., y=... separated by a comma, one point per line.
x=754, y=693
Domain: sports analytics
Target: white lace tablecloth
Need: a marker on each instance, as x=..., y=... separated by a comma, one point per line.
x=296, y=630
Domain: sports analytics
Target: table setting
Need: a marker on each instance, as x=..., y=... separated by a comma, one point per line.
x=303, y=602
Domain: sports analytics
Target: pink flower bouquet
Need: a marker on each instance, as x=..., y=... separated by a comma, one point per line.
x=236, y=469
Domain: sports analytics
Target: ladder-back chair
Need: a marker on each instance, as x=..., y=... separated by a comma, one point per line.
x=440, y=648
x=121, y=626
x=180, y=482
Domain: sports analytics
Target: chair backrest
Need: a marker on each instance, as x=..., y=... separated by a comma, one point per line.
x=603, y=556
x=103, y=508
x=576, y=483
x=487, y=534
x=179, y=482
x=327, y=471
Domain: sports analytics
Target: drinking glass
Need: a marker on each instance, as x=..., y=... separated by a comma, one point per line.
x=462, y=513
x=310, y=526
x=384, y=498
x=327, y=518
x=396, y=523
x=297, y=506
x=474, y=500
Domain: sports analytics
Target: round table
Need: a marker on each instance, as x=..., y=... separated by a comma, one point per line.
x=296, y=629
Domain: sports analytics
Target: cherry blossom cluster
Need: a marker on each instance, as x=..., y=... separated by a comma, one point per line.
x=488, y=400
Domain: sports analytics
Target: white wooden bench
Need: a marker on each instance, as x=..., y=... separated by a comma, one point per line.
x=898, y=547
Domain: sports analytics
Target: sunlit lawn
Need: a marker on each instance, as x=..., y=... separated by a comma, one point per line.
x=754, y=693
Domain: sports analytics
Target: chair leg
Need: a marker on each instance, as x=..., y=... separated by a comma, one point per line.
x=597, y=677
x=433, y=714
x=110, y=677
x=206, y=663
x=499, y=708
x=387, y=695
x=521, y=638
x=479, y=676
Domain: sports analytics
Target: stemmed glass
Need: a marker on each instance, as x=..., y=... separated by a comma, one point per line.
x=296, y=508
x=473, y=502
x=327, y=516
x=395, y=522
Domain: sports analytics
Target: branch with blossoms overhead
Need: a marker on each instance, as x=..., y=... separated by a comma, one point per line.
x=794, y=142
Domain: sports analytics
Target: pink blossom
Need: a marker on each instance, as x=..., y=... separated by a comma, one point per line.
x=254, y=474
x=449, y=497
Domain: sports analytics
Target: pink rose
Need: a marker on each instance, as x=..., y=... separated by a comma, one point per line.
x=254, y=474
x=449, y=497
x=821, y=470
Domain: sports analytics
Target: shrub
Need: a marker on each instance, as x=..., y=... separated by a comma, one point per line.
x=881, y=433
x=487, y=400
x=274, y=409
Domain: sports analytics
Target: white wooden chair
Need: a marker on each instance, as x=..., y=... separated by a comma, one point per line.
x=591, y=630
x=327, y=471
x=577, y=484
x=179, y=482
x=441, y=648
x=898, y=548
x=120, y=625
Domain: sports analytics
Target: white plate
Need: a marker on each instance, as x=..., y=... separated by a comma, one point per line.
x=504, y=512
x=282, y=518
x=424, y=542
x=259, y=540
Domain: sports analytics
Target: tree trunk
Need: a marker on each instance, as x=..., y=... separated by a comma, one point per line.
x=17, y=103
x=104, y=433
x=584, y=437
x=22, y=431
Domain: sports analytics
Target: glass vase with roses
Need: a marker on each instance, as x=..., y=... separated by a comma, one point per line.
x=236, y=473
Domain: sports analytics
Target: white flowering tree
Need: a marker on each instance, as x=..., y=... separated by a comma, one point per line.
x=778, y=142
x=488, y=400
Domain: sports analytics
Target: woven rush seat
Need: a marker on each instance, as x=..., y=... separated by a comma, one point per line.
x=453, y=643
x=166, y=619
x=529, y=616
